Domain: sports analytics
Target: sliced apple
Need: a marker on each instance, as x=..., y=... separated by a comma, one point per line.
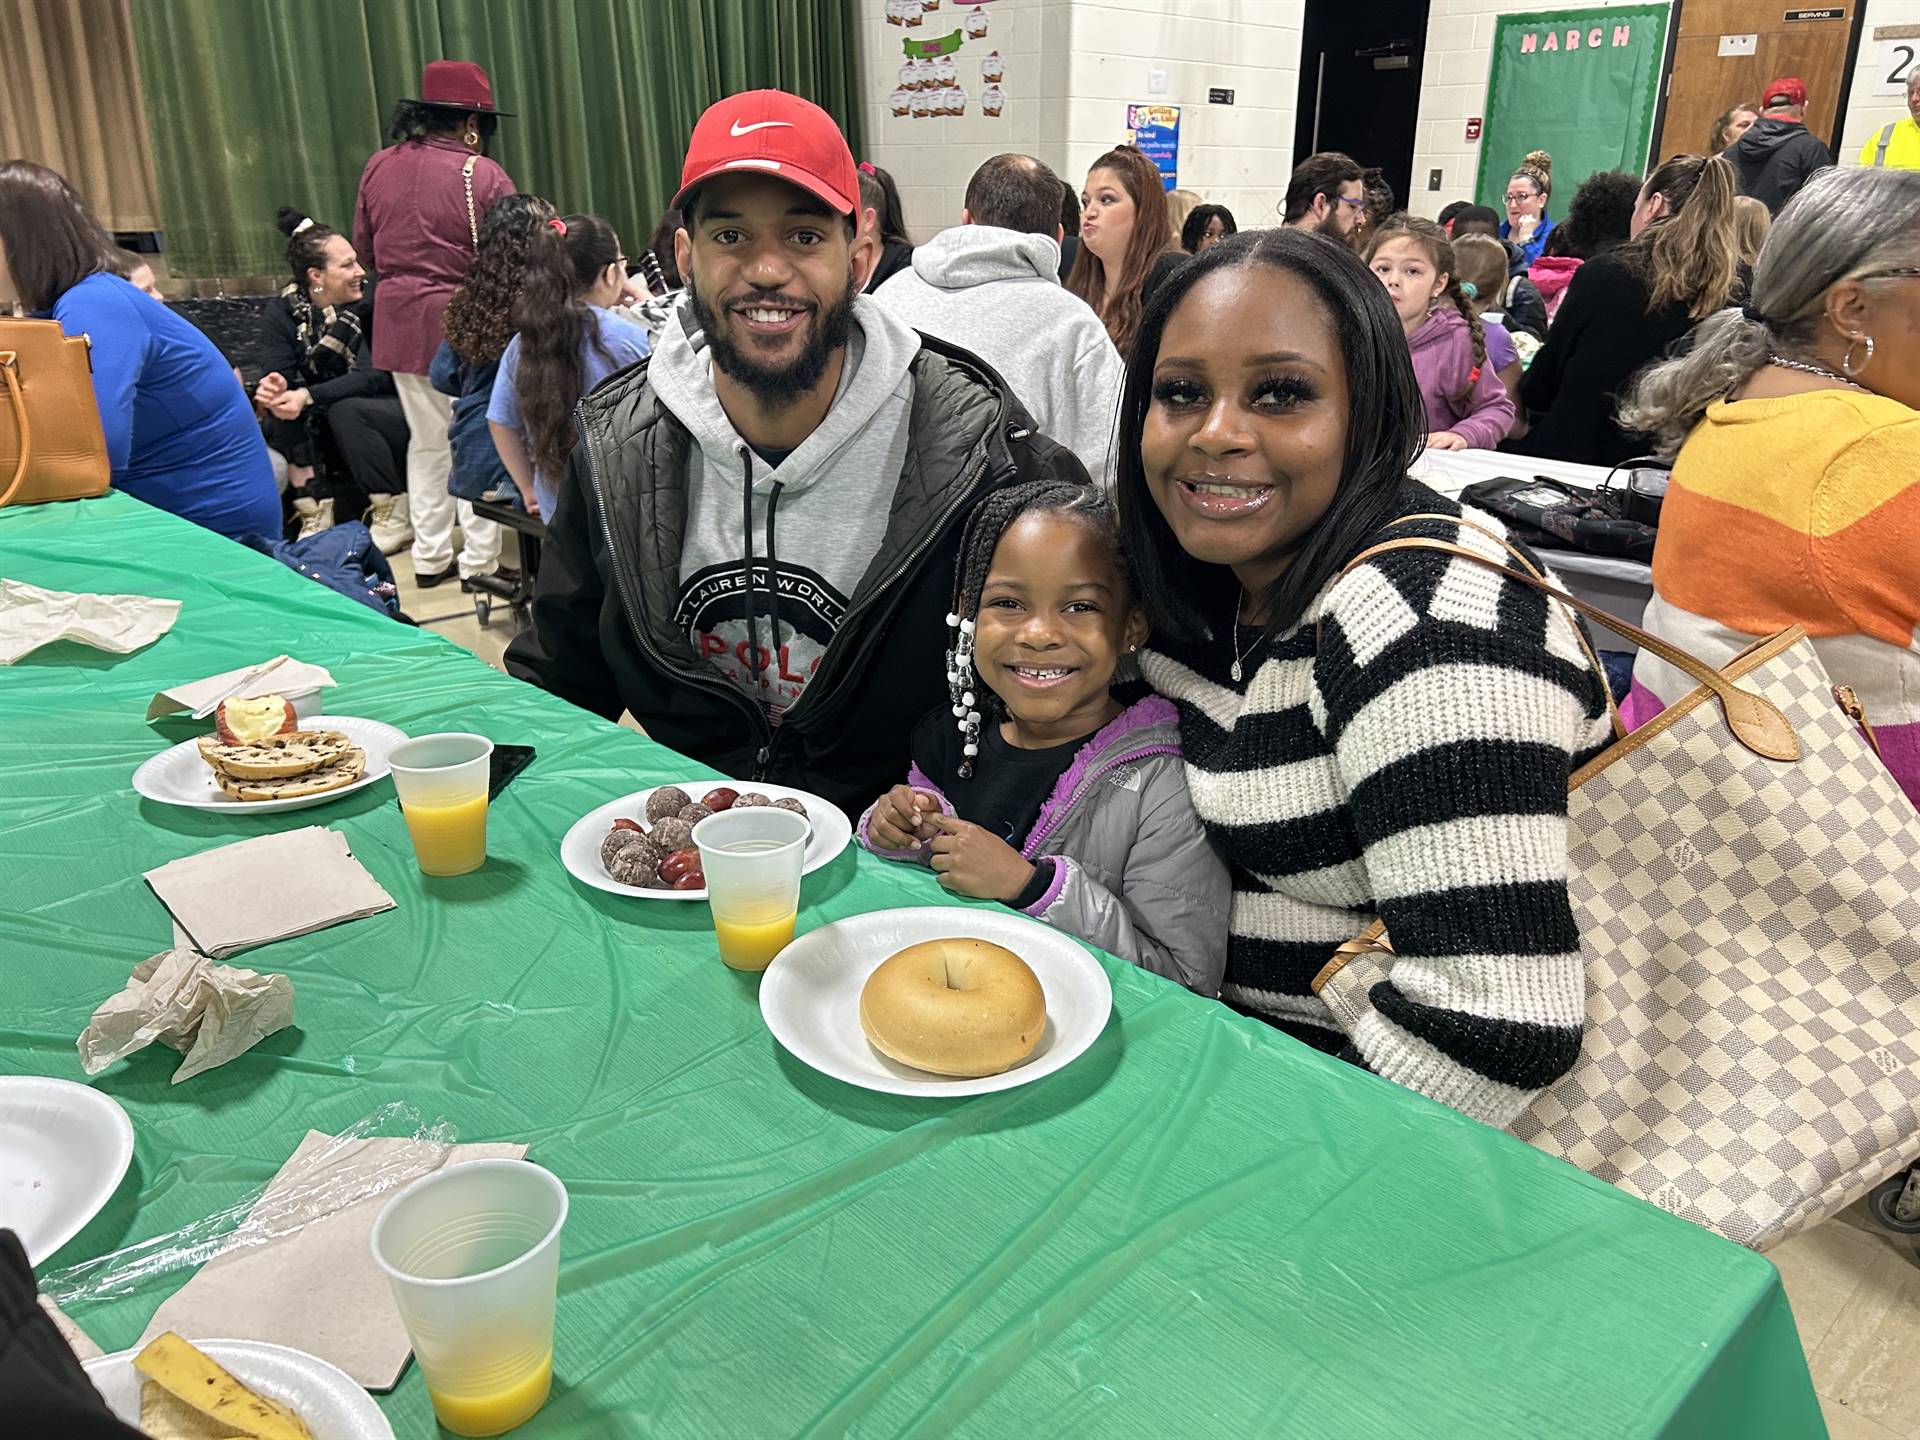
x=242, y=722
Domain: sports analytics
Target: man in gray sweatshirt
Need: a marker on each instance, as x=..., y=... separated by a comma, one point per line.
x=990, y=285
x=752, y=550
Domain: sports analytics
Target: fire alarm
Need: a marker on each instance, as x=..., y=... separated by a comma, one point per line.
x=1473, y=127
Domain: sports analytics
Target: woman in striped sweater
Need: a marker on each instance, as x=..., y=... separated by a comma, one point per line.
x=1795, y=497
x=1389, y=739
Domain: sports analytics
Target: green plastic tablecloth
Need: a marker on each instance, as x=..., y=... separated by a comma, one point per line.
x=1198, y=1228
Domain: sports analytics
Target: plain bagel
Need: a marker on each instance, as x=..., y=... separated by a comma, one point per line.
x=954, y=1007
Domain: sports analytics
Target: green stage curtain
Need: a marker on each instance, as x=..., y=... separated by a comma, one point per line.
x=256, y=104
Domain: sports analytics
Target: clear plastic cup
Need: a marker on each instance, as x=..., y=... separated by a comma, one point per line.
x=752, y=858
x=472, y=1253
x=442, y=784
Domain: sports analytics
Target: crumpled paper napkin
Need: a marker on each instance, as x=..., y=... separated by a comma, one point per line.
x=208, y=1012
x=120, y=624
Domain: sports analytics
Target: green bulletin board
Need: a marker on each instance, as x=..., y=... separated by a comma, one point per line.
x=1579, y=84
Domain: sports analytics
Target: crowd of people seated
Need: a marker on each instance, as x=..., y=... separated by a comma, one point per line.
x=1085, y=483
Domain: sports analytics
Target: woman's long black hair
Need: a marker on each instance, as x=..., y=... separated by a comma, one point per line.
x=1187, y=599
x=552, y=317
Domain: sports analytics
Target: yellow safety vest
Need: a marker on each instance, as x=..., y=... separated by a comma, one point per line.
x=1893, y=147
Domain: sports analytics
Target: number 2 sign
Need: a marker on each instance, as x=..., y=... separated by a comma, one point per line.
x=1894, y=63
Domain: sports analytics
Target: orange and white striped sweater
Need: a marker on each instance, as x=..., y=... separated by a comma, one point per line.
x=1800, y=510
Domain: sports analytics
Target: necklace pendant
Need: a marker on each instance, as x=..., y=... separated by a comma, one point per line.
x=1235, y=671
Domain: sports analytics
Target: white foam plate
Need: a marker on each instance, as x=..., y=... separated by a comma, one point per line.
x=179, y=776
x=580, y=848
x=63, y=1149
x=810, y=995
x=334, y=1407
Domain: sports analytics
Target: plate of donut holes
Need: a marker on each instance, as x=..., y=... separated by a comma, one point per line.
x=935, y=1001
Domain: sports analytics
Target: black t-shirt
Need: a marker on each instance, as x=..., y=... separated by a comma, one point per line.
x=773, y=459
x=1009, y=785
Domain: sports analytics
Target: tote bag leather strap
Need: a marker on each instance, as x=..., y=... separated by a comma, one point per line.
x=1754, y=720
x=10, y=378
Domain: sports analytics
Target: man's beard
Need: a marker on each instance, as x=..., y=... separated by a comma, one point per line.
x=1330, y=225
x=776, y=389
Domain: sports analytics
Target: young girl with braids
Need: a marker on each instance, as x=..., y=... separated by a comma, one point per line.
x=1467, y=406
x=1038, y=787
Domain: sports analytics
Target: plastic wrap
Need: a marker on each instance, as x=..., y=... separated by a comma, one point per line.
x=330, y=1179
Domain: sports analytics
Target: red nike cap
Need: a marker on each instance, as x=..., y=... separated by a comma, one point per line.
x=779, y=134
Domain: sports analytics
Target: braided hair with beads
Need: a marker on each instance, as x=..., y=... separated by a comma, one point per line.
x=970, y=698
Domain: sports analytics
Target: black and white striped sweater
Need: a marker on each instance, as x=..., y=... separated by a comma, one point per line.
x=1413, y=769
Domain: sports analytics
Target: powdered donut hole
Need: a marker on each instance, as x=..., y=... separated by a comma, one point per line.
x=750, y=798
x=695, y=813
x=667, y=800
x=616, y=841
x=671, y=834
x=787, y=802
x=635, y=865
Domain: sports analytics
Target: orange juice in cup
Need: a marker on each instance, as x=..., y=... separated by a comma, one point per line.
x=472, y=1255
x=442, y=784
x=752, y=859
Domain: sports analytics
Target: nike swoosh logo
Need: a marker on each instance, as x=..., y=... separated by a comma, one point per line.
x=738, y=129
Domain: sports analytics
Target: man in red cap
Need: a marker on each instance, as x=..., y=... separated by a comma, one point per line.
x=753, y=549
x=1778, y=154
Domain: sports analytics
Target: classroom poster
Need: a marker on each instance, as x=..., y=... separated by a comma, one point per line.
x=1579, y=84
x=1156, y=132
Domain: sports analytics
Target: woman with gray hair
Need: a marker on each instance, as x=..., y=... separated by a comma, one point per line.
x=1795, y=497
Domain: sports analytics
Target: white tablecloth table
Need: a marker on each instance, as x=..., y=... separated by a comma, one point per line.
x=1622, y=587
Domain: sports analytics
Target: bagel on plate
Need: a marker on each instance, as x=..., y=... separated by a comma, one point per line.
x=954, y=1006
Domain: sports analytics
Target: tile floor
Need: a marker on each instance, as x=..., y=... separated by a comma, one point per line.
x=1854, y=1288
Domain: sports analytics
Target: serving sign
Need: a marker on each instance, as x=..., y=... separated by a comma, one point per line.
x=1156, y=134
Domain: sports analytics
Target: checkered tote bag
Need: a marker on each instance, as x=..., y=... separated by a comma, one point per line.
x=1746, y=875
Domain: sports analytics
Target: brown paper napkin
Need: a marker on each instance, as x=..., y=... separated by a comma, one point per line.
x=318, y=1290
x=289, y=677
x=272, y=887
x=208, y=1012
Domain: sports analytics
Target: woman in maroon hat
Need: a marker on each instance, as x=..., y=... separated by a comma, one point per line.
x=416, y=224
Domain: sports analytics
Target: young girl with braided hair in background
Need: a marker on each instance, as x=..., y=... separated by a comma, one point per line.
x=1467, y=406
x=1037, y=786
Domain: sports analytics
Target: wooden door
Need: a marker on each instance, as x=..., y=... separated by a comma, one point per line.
x=1703, y=82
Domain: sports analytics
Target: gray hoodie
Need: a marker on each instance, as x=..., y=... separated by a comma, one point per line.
x=772, y=555
x=997, y=293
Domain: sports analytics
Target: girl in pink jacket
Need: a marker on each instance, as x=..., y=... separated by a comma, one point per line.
x=1467, y=406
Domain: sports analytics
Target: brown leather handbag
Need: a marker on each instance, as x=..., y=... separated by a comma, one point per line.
x=51, y=443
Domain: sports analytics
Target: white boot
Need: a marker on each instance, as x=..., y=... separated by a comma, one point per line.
x=315, y=516
x=391, y=524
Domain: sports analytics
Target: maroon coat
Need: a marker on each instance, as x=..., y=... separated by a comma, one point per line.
x=410, y=227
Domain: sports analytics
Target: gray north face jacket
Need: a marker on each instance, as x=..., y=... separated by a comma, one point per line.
x=1133, y=872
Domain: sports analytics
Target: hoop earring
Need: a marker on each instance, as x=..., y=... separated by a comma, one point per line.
x=473, y=137
x=1847, y=367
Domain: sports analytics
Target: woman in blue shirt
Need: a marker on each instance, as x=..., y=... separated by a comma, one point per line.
x=180, y=431
x=1528, y=224
x=568, y=341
